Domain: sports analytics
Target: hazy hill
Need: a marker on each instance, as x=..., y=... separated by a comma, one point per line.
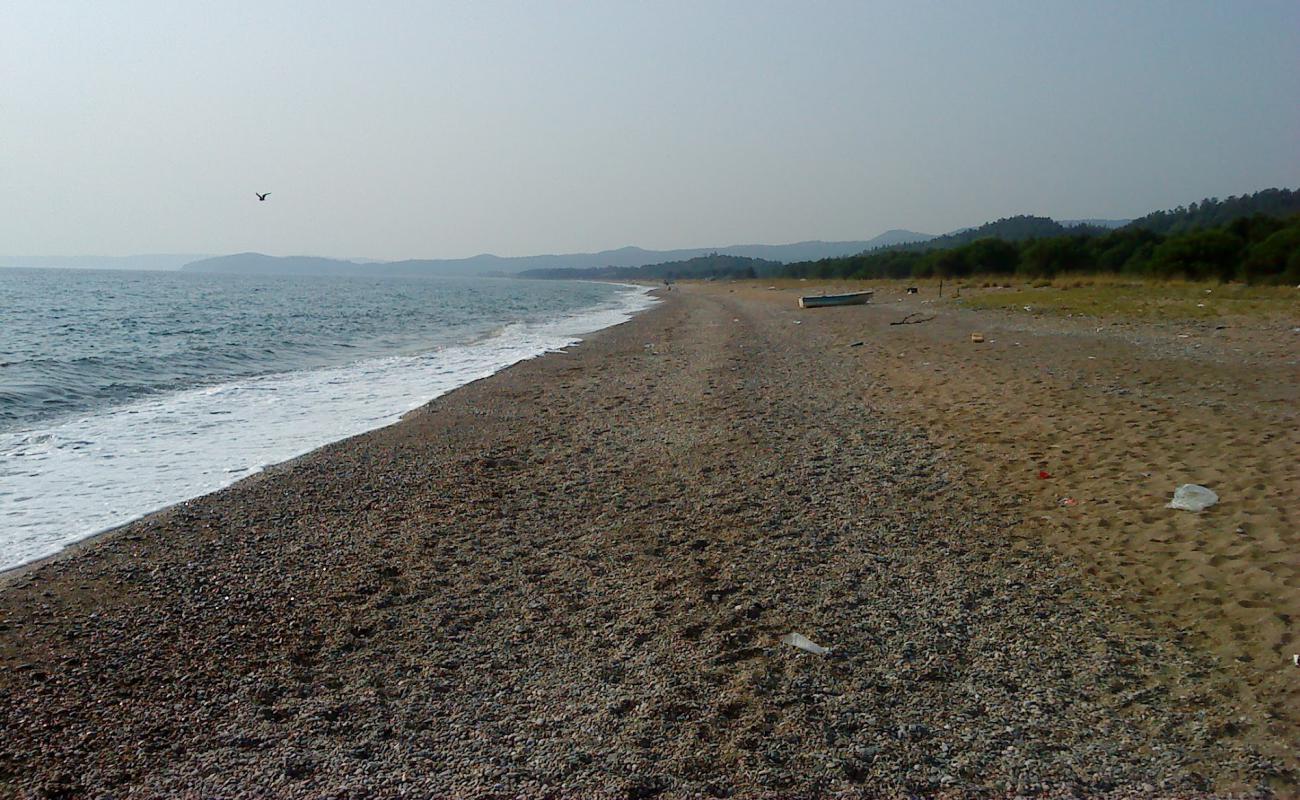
x=713, y=265
x=1213, y=212
x=1254, y=238
x=1095, y=223
x=146, y=262
x=1010, y=229
x=260, y=264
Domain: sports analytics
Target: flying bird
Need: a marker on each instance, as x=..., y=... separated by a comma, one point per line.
x=261, y=197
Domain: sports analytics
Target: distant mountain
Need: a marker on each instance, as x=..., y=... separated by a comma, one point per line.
x=156, y=261
x=1255, y=238
x=811, y=251
x=713, y=265
x=897, y=236
x=1011, y=229
x=1213, y=212
x=1109, y=224
x=260, y=264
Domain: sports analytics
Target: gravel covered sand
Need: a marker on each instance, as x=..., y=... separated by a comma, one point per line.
x=571, y=579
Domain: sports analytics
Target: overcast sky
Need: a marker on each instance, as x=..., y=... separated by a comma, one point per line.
x=433, y=129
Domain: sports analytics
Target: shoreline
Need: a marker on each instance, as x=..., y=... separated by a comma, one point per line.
x=569, y=328
x=573, y=575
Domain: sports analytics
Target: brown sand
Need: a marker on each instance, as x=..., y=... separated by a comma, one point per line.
x=1119, y=414
x=571, y=579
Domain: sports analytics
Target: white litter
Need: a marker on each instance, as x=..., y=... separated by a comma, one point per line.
x=804, y=643
x=1192, y=497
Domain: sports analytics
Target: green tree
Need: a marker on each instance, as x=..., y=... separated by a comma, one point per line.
x=1198, y=255
x=951, y=263
x=992, y=255
x=1047, y=258
x=1276, y=259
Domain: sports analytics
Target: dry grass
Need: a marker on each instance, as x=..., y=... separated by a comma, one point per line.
x=1111, y=297
x=1134, y=299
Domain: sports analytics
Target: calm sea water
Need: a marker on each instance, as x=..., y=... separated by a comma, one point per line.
x=123, y=392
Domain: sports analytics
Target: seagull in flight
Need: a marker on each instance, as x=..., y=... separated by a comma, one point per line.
x=261, y=196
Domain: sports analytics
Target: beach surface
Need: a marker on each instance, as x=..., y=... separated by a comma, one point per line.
x=573, y=578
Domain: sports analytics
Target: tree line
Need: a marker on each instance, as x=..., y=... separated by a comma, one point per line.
x=712, y=265
x=1213, y=212
x=1255, y=238
x=1012, y=229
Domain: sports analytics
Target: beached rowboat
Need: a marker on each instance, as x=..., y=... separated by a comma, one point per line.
x=850, y=299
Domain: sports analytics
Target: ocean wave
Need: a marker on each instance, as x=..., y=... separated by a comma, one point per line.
x=91, y=472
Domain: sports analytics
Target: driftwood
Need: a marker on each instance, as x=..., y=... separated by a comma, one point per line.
x=908, y=320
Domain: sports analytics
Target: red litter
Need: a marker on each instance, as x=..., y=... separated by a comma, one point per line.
x=1044, y=474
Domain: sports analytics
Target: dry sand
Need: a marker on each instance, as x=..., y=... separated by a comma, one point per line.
x=571, y=579
x=1119, y=413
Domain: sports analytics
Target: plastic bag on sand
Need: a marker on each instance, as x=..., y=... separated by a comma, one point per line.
x=1191, y=497
x=804, y=643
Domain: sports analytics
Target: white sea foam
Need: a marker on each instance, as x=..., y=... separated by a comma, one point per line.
x=87, y=474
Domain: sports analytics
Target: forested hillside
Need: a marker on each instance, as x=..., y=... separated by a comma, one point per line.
x=1253, y=238
x=1011, y=229
x=713, y=265
x=1257, y=249
x=1213, y=212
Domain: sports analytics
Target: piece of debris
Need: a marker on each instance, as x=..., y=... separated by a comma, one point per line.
x=1044, y=474
x=857, y=344
x=914, y=318
x=911, y=290
x=977, y=337
x=804, y=643
x=1068, y=501
x=1192, y=497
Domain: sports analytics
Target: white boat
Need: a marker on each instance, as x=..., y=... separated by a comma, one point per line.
x=849, y=299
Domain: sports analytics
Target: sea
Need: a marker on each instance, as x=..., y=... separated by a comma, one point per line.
x=125, y=392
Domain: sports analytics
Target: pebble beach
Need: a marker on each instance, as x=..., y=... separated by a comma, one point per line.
x=572, y=579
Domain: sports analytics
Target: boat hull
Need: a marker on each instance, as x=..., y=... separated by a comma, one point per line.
x=821, y=301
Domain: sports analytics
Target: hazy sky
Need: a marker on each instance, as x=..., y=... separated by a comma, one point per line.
x=429, y=129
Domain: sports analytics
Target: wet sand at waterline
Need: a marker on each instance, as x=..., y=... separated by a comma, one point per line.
x=572, y=578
